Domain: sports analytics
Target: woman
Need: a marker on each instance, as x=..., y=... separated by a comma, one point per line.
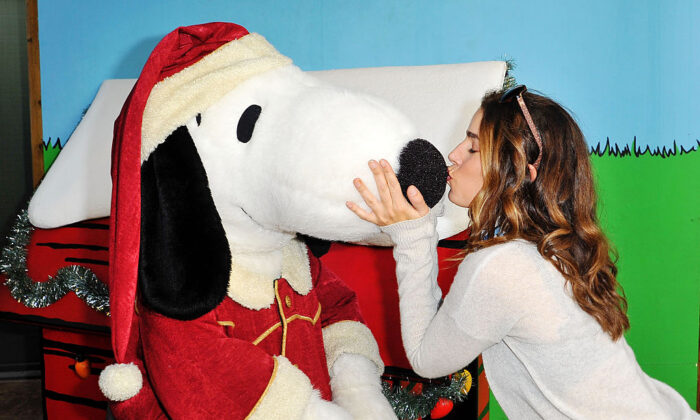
x=536, y=293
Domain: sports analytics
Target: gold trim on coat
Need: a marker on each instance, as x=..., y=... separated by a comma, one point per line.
x=272, y=378
x=269, y=331
x=284, y=318
x=266, y=333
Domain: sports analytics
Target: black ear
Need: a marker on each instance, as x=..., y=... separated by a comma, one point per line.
x=185, y=261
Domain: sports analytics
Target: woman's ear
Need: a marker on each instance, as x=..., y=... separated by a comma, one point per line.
x=185, y=260
x=533, y=172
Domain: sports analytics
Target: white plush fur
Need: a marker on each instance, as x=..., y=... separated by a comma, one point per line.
x=287, y=395
x=120, y=381
x=351, y=337
x=295, y=175
x=320, y=409
x=296, y=172
x=357, y=388
x=254, y=290
x=177, y=98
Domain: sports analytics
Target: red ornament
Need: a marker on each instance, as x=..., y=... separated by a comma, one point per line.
x=442, y=408
x=417, y=389
x=82, y=368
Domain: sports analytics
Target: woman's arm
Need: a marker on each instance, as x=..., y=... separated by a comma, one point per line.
x=433, y=341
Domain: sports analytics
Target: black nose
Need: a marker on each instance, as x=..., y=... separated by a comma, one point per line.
x=422, y=165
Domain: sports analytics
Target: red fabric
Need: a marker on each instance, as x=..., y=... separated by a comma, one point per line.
x=339, y=302
x=179, y=49
x=203, y=369
x=370, y=272
x=194, y=42
x=198, y=371
x=64, y=410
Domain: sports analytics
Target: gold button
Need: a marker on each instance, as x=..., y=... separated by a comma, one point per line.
x=226, y=323
x=288, y=301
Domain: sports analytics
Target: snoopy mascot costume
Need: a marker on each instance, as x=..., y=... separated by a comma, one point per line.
x=224, y=154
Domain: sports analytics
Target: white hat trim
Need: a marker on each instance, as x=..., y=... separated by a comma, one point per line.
x=178, y=98
x=120, y=381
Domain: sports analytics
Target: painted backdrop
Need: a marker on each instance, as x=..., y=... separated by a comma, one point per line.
x=627, y=69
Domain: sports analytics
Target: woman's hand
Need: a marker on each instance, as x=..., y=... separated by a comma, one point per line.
x=392, y=206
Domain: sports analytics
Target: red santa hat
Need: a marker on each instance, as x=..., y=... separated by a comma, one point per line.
x=188, y=71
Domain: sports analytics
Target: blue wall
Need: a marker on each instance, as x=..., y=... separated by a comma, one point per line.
x=626, y=68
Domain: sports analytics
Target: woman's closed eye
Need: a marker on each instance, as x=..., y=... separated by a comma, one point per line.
x=474, y=147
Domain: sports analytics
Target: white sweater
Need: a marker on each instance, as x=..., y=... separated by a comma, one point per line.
x=544, y=356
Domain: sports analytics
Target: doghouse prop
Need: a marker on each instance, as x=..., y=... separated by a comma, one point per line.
x=197, y=122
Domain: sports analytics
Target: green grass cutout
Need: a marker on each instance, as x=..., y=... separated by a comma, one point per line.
x=609, y=150
x=650, y=209
x=50, y=152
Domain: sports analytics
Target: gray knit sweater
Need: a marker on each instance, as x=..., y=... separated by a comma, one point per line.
x=544, y=356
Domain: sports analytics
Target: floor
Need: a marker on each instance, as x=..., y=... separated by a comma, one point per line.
x=20, y=399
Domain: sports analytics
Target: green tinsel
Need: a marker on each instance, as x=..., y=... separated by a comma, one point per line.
x=410, y=406
x=509, y=80
x=81, y=280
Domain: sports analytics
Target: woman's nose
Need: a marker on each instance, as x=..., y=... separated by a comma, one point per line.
x=452, y=157
x=456, y=156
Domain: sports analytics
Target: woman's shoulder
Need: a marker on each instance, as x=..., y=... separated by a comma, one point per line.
x=509, y=275
x=516, y=250
x=512, y=260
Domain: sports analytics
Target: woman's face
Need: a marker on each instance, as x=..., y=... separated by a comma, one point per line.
x=465, y=177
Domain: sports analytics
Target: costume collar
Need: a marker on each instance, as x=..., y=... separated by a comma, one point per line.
x=256, y=291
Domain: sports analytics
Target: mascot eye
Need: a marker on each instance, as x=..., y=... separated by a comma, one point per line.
x=247, y=123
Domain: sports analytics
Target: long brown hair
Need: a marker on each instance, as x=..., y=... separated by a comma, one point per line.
x=556, y=211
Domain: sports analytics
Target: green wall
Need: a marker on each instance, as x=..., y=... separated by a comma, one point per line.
x=650, y=208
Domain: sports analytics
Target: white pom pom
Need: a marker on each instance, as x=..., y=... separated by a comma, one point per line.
x=120, y=381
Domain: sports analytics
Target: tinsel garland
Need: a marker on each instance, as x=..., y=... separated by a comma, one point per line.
x=509, y=80
x=81, y=280
x=410, y=405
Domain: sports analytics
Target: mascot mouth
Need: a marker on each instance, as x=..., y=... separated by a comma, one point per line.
x=266, y=228
x=250, y=217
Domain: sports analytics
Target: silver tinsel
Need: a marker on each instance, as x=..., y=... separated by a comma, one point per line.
x=81, y=280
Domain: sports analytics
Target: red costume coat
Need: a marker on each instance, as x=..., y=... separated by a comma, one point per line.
x=221, y=364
